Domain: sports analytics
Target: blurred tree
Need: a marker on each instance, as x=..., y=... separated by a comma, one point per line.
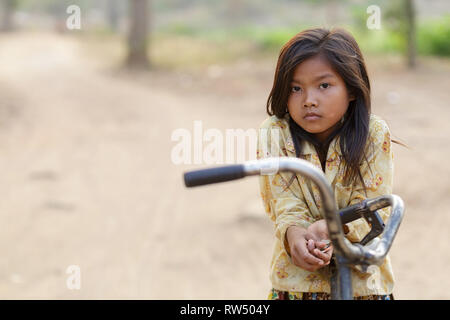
x=113, y=13
x=8, y=7
x=411, y=32
x=400, y=19
x=138, y=33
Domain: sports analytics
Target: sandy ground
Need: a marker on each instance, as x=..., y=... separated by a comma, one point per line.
x=87, y=177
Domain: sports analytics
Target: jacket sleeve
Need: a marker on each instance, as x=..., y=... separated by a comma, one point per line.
x=378, y=178
x=285, y=205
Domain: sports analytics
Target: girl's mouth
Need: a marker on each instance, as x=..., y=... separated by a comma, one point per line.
x=312, y=117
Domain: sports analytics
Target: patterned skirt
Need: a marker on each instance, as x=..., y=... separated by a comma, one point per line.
x=289, y=295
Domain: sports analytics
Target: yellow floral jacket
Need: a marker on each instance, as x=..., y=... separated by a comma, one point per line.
x=300, y=203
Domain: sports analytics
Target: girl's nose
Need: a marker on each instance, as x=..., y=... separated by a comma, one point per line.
x=310, y=101
x=309, y=104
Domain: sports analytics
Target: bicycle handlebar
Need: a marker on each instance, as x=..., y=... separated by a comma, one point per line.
x=373, y=253
x=214, y=175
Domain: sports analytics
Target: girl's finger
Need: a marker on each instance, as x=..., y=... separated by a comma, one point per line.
x=323, y=244
x=304, y=265
x=312, y=259
x=304, y=254
x=311, y=245
x=328, y=249
x=325, y=256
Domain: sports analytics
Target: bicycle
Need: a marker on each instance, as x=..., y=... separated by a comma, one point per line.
x=372, y=249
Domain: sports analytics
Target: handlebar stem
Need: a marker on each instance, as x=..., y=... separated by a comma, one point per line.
x=353, y=253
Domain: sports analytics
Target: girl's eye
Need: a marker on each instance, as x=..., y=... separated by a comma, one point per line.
x=295, y=89
x=324, y=85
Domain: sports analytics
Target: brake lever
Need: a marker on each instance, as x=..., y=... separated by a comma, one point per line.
x=376, y=224
x=362, y=210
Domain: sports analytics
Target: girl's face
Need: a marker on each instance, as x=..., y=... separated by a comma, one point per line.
x=318, y=98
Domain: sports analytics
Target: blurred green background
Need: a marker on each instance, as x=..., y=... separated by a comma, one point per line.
x=215, y=30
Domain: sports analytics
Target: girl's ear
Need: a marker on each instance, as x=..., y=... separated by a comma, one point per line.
x=351, y=95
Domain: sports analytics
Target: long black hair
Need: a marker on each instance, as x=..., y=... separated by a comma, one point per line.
x=343, y=53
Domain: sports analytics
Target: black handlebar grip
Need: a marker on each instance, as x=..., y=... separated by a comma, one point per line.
x=351, y=213
x=213, y=175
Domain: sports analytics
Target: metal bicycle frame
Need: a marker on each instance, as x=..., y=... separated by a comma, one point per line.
x=346, y=253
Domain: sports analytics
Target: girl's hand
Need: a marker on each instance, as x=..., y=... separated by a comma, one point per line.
x=318, y=248
x=301, y=256
x=321, y=249
x=319, y=229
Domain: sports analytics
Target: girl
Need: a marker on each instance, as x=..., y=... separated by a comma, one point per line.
x=320, y=111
